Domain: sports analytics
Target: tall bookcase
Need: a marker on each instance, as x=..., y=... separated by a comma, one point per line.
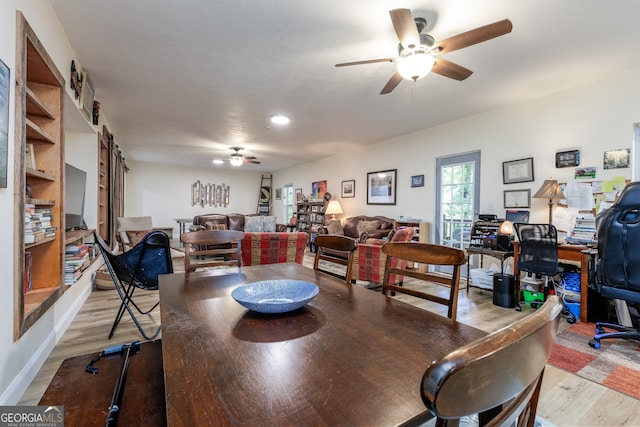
x=310, y=216
x=39, y=126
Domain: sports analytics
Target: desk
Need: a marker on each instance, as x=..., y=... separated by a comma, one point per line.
x=350, y=357
x=568, y=253
x=482, y=251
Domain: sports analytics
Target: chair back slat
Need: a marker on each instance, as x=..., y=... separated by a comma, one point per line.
x=211, y=248
x=427, y=255
x=504, y=365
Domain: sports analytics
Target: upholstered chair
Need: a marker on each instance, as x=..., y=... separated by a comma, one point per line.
x=368, y=259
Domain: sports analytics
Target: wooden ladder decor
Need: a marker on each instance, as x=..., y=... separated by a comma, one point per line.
x=264, y=197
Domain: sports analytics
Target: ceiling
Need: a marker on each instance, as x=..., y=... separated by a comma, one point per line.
x=181, y=82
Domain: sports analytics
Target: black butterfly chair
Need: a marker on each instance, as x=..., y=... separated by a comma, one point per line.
x=137, y=268
x=618, y=266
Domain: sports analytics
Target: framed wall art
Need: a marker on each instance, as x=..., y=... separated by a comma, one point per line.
x=381, y=187
x=348, y=189
x=298, y=195
x=318, y=189
x=616, y=159
x=417, y=181
x=517, y=199
x=86, y=97
x=517, y=171
x=565, y=159
x=4, y=122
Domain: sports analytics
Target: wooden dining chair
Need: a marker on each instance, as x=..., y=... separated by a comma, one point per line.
x=211, y=248
x=335, y=249
x=498, y=376
x=426, y=254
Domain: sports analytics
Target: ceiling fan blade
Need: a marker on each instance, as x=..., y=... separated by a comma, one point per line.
x=251, y=157
x=255, y=162
x=405, y=27
x=392, y=83
x=451, y=70
x=475, y=36
x=366, y=61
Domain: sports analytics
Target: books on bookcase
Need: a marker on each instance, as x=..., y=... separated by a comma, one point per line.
x=37, y=223
x=76, y=260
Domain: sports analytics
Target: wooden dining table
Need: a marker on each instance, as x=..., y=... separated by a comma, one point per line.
x=351, y=356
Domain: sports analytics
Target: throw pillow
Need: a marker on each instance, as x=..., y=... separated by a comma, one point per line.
x=367, y=226
x=136, y=236
x=211, y=226
x=334, y=227
x=253, y=224
x=269, y=224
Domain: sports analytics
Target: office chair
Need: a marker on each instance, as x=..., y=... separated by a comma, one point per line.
x=137, y=268
x=618, y=265
x=539, y=255
x=498, y=376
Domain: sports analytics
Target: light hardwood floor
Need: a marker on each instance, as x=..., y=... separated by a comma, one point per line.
x=566, y=399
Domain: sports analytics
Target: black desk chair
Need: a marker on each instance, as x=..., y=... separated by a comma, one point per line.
x=137, y=268
x=618, y=265
x=539, y=255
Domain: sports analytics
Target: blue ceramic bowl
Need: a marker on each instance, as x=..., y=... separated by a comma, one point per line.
x=275, y=296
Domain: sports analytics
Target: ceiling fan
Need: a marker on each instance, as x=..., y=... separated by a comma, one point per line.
x=417, y=52
x=238, y=159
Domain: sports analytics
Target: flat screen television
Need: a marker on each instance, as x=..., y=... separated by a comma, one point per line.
x=75, y=186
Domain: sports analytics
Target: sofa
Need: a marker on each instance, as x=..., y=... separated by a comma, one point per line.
x=360, y=227
x=235, y=221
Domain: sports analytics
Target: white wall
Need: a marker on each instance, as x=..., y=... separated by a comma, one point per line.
x=592, y=118
x=164, y=191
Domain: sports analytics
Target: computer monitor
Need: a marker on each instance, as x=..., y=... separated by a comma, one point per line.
x=517, y=216
x=74, y=189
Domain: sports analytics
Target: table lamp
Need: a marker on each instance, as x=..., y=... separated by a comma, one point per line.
x=333, y=209
x=505, y=235
x=550, y=190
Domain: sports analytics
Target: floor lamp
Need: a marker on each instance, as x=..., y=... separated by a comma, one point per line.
x=550, y=190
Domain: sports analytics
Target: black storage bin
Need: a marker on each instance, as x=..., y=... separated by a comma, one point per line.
x=504, y=290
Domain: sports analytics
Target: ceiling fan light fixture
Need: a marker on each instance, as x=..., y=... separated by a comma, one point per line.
x=415, y=65
x=236, y=160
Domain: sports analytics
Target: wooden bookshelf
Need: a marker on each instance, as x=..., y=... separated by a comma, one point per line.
x=39, y=123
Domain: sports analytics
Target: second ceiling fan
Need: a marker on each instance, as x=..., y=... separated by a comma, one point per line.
x=417, y=51
x=238, y=159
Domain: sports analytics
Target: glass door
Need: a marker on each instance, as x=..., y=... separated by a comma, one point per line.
x=457, y=198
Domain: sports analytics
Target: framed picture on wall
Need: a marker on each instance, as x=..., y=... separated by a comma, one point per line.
x=298, y=195
x=86, y=97
x=517, y=171
x=348, y=188
x=4, y=122
x=517, y=199
x=417, y=181
x=381, y=187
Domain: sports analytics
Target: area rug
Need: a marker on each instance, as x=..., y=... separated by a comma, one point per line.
x=615, y=365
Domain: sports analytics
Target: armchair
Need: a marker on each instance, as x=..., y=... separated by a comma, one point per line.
x=369, y=260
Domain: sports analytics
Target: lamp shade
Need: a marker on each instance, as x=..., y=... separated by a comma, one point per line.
x=333, y=208
x=415, y=65
x=549, y=190
x=506, y=228
x=236, y=160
